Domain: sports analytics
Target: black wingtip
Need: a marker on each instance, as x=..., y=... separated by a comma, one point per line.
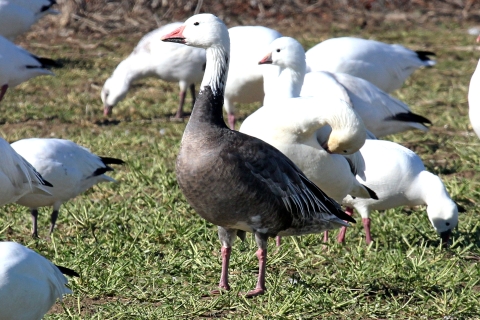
x=410, y=117
x=107, y=160
x=67, y=271
x=46, y=183
x=424, y=55
x=372, y=193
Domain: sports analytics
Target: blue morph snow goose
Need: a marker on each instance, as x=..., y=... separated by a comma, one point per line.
x=235, y=181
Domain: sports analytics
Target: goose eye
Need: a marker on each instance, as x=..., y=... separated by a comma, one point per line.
x=448, y=223
x=196, y=23
x=344, y=151
x=278, y=50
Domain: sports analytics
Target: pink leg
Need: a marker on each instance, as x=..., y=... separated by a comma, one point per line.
x=366, y=226
x=224, y=275
x=231, y=121
x=262, y=262
x=278, y=241
x=179, y=113
x=343, y=230
x=3, y=89
x=325, y=236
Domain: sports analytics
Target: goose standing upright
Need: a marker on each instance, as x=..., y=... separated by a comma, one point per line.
x=18, y=177
x=18, y=65
x=245, y=77
x=154, y=58
x=399, y=178
x=29, y=283
x=17, y=16
x=71, y=168
x=235, y=181
x=474, y=99
x=385, y=65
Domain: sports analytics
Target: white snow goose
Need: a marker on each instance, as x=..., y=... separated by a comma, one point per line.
x=474, y=99
x=291, y=125
x=17, y=65
x=399, y=178
x=72, y=169
x=17, y=16
x=235, y=181
x=381, y=113
x=154, y=58
x=385, y=65
x=29, y=283
x=245, y=76
x=18, y=177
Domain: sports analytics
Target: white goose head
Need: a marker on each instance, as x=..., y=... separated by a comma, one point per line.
x=210, y=33
x=287, y=53
x=113, y=91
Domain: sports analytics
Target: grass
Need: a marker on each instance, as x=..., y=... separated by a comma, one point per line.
x=143, y=253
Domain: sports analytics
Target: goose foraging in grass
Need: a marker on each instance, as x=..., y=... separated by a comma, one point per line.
x=29, y=283
x=72, y=169
x=154, y=58
x=18, y=177
x=474, y=99
x=385, y=65
x=381, y=113
x=18, y=65
x=399, y=178
x=235, y=181
x=17, y=16
x=245, y=77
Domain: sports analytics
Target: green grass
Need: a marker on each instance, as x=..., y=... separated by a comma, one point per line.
x=143, y=253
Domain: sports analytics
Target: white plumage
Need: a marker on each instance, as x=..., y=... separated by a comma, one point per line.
x=18, y=65
x=154, y=58
x=245, y=76
x=474, y=100
x=399, y=178
x=385, y=65
x=18, y=177
x=29, y=283
x=70, y=168
x=17, y=16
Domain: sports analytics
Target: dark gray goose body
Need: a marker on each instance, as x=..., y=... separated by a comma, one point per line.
x=236, y=181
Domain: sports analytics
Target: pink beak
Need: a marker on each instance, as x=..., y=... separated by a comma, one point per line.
x=266, y=60
x=175, y=36
x=478, y=39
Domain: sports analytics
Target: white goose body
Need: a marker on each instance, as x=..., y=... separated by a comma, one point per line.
x=71, y=168
x=381, y=113
x=29, y=283
x=385, y=65
x=17, y=65
x=245, y=76
x=291, y=123
x=474, y=100
x=154, y=58
x=17, y=16
x=399, y=178
x=18, y=177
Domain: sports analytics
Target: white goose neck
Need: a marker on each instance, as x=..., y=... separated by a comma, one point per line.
x=282, y=84
x=216, y=69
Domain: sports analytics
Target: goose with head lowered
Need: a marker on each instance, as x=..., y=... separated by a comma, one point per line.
x=400, y=179
x=385, y=65
x=154, y=58
x=18, y=177
x=72, y=169
x=381, y=113
x=29, y=283
x=235, y=181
